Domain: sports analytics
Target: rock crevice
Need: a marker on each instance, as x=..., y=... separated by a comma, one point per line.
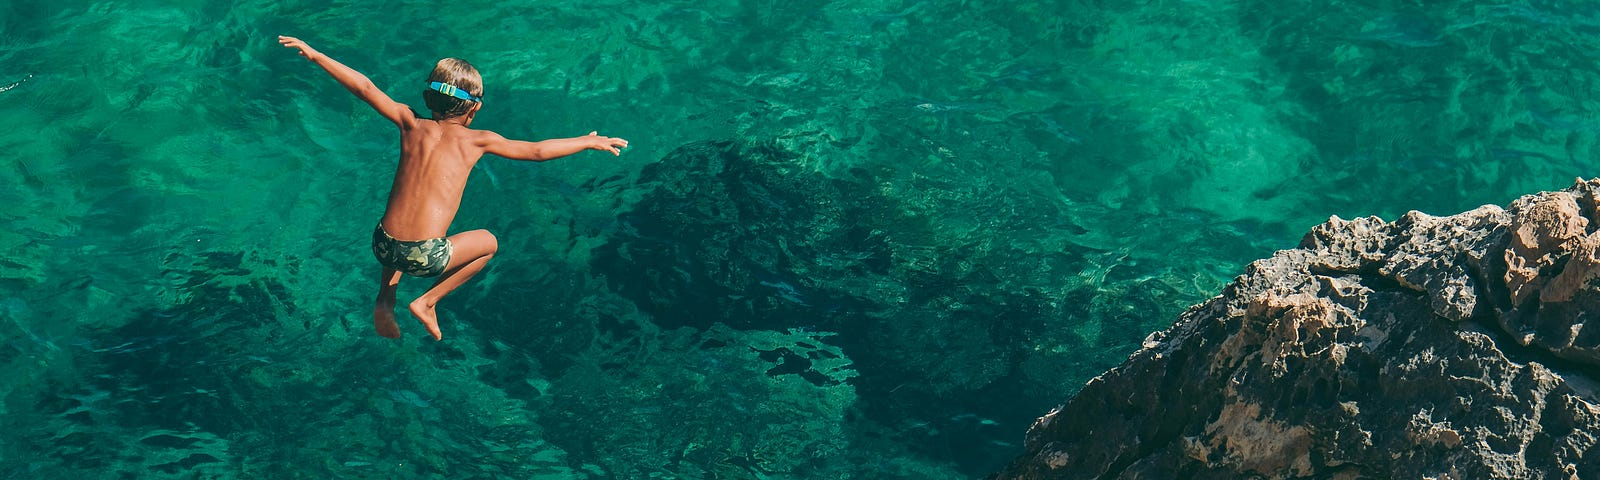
x=1428, y=347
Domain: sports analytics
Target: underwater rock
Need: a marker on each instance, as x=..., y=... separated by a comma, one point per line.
x=1430, y=347
x=934, y=288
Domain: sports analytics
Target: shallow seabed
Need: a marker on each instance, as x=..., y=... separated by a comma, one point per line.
x=865, y=239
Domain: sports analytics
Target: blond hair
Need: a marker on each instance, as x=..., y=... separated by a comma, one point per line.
x=462, y=75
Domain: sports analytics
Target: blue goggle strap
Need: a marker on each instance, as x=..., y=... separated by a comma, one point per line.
x=451, y=90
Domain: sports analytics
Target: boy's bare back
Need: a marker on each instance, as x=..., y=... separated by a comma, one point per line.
x=435, y=160
x=436, y=157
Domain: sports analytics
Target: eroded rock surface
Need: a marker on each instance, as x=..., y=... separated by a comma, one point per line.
x=1426, y=348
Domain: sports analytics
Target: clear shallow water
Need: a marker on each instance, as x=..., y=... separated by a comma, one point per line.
x=928, y=223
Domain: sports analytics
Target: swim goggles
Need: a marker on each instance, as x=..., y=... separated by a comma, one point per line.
x=451, y=90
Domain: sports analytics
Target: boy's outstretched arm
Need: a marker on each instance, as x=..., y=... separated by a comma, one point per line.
x=548, y=149
x=357, y=83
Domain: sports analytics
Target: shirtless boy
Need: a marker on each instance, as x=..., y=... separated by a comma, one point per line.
x=436, y=155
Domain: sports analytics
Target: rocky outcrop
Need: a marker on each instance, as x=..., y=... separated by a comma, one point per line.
x=1426, y=348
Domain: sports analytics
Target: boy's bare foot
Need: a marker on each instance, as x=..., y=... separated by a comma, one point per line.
x=383, y=320
x=424, y=312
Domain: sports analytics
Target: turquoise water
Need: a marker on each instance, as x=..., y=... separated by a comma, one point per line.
x=867, y=239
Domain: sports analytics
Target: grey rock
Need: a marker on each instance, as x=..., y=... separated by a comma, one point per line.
x=1426, y=348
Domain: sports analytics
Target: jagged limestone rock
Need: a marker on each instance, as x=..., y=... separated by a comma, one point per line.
x=1426, y=348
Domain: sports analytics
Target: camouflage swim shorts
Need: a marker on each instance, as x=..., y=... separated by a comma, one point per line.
x=422, y=258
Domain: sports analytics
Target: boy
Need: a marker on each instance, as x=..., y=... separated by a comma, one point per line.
x=436, y=155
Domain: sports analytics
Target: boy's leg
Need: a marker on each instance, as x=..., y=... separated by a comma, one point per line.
x=383, y=313
x=470, y=251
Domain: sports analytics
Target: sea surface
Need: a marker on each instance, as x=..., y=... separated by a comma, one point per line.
x=851, y=239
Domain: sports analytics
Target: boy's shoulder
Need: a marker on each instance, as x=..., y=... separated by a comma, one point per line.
x=434, y=132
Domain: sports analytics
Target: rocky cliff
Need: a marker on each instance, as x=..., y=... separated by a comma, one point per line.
x=1424, y=348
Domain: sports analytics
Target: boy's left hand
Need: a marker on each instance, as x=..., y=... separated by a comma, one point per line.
x=297, y=44
x=609, y=144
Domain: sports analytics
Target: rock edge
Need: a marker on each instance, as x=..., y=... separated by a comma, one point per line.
x=1428, y=347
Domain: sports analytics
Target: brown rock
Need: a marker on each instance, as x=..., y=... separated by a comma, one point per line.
x=1430, y=347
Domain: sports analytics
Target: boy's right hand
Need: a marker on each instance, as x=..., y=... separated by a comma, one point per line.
x=609, y=144
x=295, y=43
